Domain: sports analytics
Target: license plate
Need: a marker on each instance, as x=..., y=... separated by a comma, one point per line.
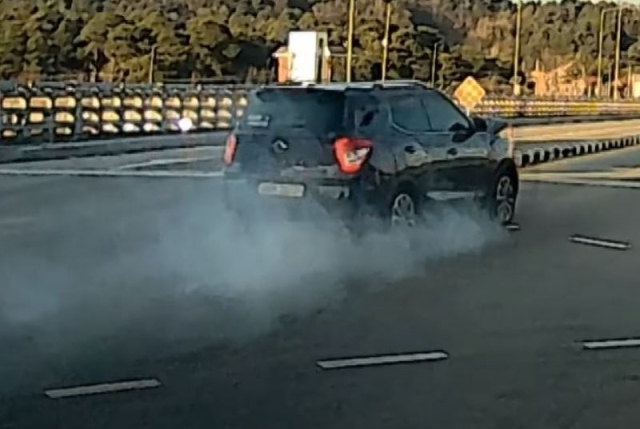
x=281, y=190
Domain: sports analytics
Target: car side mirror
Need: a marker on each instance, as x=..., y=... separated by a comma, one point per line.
x=480, y=124
x=495, y=125
x=460, y=132
x=457, y=128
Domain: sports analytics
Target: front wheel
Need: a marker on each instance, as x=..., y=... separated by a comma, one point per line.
x=502, y=197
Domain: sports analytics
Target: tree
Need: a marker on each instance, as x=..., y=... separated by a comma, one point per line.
x=115, y=39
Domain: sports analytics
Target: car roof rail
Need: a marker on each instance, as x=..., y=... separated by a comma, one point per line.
x=400, y=83
x=363, y=85
x=280, y=85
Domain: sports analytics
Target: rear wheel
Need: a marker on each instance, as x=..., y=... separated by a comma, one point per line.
x=404, y=211
x=405, y=219
x=400, y=214
x=504, y=192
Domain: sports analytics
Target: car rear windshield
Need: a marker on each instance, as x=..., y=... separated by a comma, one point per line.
x=321, y=111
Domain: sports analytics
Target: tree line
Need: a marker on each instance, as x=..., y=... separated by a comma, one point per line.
x=234, y=40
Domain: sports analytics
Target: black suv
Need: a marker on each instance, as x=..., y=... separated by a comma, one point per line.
x=362, y=151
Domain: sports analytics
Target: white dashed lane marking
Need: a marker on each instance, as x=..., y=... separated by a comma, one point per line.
x=170, y=161
x=16, y=221
x=16, y=225
x=568, y=179
x=611, y=344
x=597, y=242
x=382, y=360
x=96, y=389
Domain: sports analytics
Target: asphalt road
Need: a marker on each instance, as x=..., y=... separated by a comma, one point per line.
x=106, y=279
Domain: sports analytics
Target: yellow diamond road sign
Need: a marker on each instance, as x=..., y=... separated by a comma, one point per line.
x=469, y=93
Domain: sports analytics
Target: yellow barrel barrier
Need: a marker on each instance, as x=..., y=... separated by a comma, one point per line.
x=62, y=111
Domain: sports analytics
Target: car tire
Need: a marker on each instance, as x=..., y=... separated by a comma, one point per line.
x=404, y=211
x=502, y=196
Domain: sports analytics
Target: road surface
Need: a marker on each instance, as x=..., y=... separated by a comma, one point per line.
x=143, y=279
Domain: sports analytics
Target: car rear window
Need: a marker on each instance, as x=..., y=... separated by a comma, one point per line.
x=318, y=110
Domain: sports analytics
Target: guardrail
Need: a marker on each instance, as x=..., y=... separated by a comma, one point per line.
x=53, y=112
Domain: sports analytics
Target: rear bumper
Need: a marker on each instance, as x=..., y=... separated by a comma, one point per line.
x=319, y=203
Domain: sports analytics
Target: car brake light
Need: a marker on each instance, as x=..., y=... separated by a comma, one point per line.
x=351, y=153
x=230, y=149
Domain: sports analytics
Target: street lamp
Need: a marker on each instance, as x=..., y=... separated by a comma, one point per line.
x=352, y=13
x=385, y=41
x=516, y=51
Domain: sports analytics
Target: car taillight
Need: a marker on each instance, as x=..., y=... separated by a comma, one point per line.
x=230, y=149
x=351, y=153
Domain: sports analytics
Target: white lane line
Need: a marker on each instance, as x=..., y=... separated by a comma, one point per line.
x=610, y=344
x=558, y=180
x=109, y=173
x=123, y=139
x=102, y=388
x=16, y=225
x=16, y=221
x=609, y=244
x=168, y=161
x=382, y=360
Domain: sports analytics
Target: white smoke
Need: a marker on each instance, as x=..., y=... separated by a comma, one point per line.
x=183, y=274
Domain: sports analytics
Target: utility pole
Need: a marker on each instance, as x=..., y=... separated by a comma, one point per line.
x=617, y=69
x=603, y=14
x=629, y=74
x=352, y=12
x=385, y=41
x=516, y=51
x=434, y=62
x=600, y=40
x=152, y=63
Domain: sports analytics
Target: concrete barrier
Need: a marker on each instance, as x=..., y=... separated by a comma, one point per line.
x=116, y=146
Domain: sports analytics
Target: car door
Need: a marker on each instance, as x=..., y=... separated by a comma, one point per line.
x=420, y=153
x=467, y=150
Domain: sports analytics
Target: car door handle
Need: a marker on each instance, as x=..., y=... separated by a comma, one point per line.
x=452, y=151
x=410, y=149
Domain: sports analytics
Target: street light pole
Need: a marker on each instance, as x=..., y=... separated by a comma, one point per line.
x=603, y=14
x=600, y=39
x=434, y=60
x=516, y=51
x=385, y=41
x=617, y=69
x=152, y=63
x=629, y=74
x=352, y=12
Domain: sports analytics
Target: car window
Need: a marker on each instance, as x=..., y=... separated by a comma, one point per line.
x=408, y=113
x=443, y=115
x=316, y=110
